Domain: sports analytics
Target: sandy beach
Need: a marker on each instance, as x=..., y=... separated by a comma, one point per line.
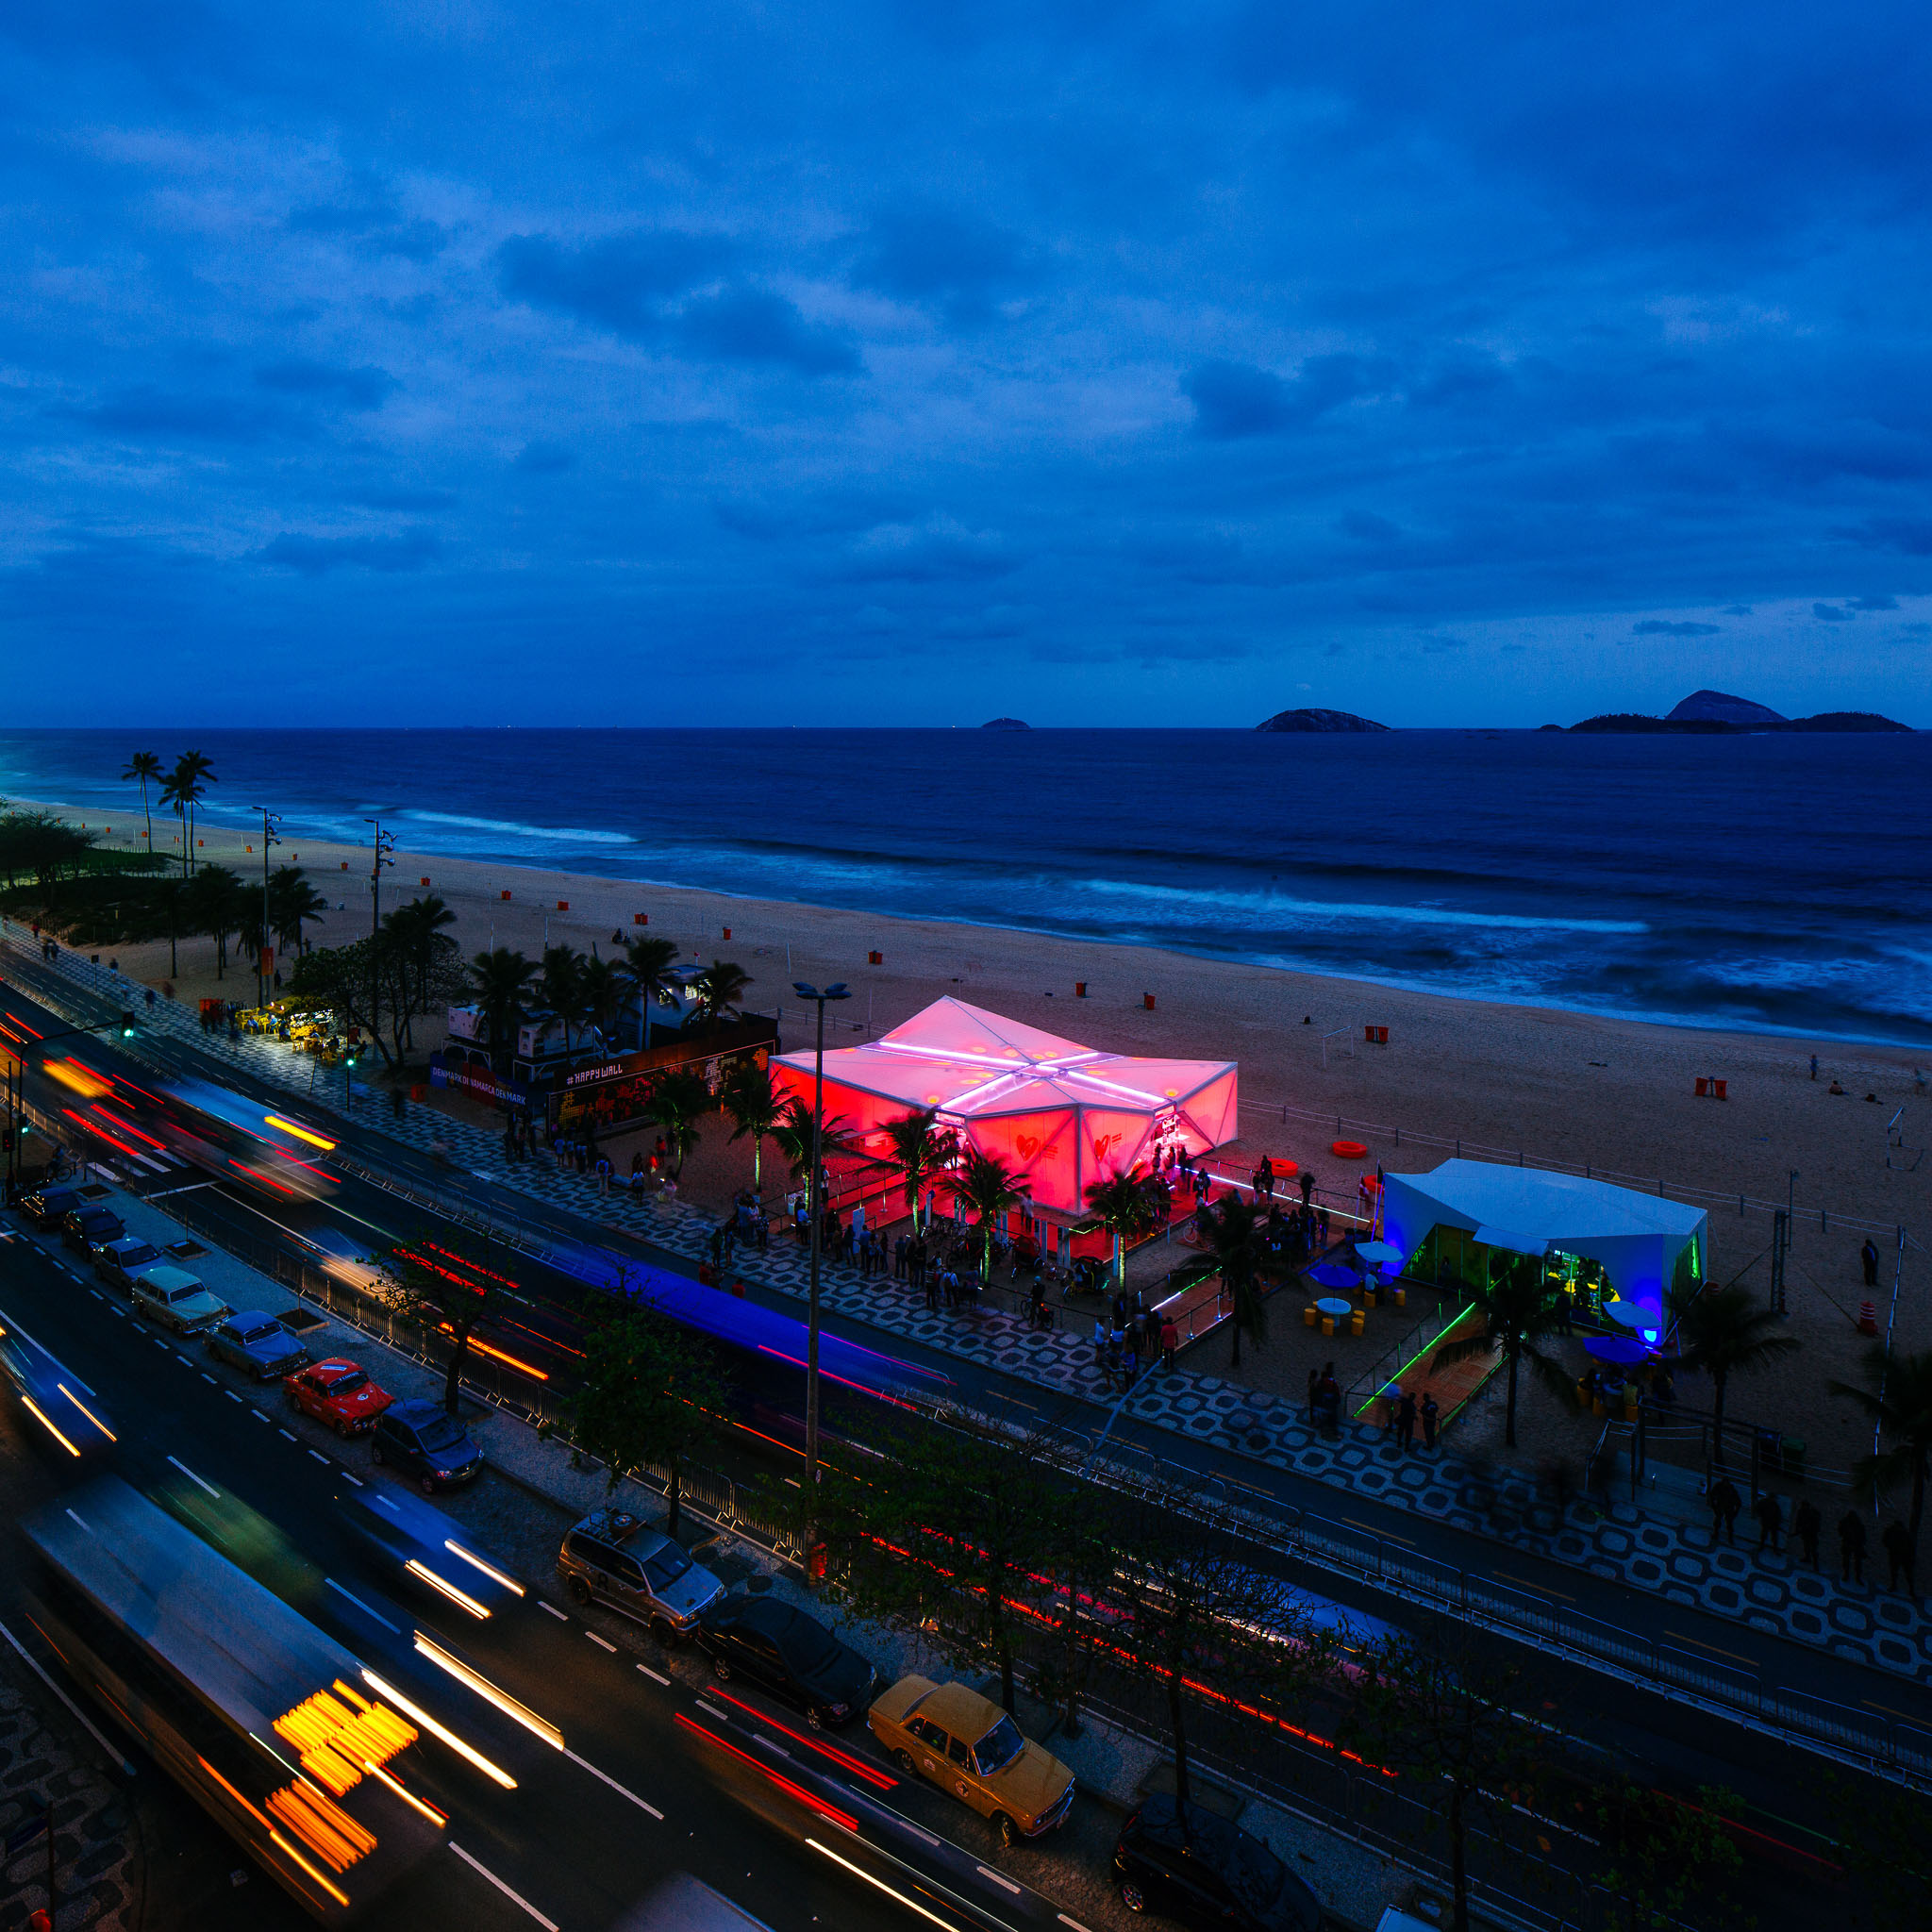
x=1504, y=1080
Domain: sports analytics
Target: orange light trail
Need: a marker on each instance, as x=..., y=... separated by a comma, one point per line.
x=496, y=1354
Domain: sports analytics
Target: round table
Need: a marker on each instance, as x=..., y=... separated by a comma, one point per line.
x=1334, y=1306
x=1625, y=1314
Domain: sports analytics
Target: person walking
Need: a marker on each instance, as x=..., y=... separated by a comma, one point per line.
x=1169, y=1342
x=1771, y=1521
x=1724, y=1504
x=1897, y=1544
x=1868, y=1255
x=1405, y=1421
x=1851, y=1547
x=1806, y=1525
x=1431, y=1414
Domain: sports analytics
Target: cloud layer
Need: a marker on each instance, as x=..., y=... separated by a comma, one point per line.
x=1190, y=361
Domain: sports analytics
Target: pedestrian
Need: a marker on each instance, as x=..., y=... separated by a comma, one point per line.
x=1321, y=1228
x=1897, y=1544
x=1806, y=1525
x=1851, y=1547
x=1814, y=1066
x=1869, y=1256
x=1770, y=1513
x=1431, y=1414
x=1724, y=1504
x=1169, y=1342
x=1392, y=1401
x=1405, y=1420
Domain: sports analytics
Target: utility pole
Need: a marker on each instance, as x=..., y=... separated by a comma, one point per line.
x=1780, y=1245
x=384, y=844
x=264, y=959
x=815, y=1204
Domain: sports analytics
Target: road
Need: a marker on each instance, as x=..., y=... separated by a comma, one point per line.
x=1687, y=1746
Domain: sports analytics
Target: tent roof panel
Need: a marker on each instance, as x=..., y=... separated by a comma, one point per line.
x=1562, y=1207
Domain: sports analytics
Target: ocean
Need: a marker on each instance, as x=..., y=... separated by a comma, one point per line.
x=1776, y=883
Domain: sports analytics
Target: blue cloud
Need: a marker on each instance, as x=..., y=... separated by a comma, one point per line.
x=1234, y=399
x=919, y=251
x=546, y=459
x=1830, y=613
x=315, y=557
x=622, y=283
x=1660, y=627
x=749, y=325
x=366, y=388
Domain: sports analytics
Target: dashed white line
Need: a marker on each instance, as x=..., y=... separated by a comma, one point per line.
x=183, y=1359
x=1074, y=1923
x=515, y=1897
x=158, y=1342
x=192, y=1478
x=209, y=1379
x=605, y=1777
x=359, y=1603
x=657, y=1676
x=256, y=1413
x=998, y=1879
x=602, y=1642
x=318, y=1455
x=231, y=1395
x=97, y=1294
x=713, y=1709
x=553, y=1609
x=287, y=1435
x=356, y=1479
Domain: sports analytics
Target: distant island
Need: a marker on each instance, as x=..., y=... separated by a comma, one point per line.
x=1317, y=721
x=1717, y=713
x=1006, y=724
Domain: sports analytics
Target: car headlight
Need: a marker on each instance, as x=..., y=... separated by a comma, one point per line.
x=842, y=1710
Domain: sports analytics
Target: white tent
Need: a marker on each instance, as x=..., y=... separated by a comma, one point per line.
x=1636, y=1238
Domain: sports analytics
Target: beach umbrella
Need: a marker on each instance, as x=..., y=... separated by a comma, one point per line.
x=1379, y=1253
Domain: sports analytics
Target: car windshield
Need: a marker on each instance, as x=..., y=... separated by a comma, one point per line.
x=260, y=1332
x=665, y=1565
x=347, y=1385
x=138, y=1252
x=1254, y=1872
x=998, y=1748
x=440, y=1432
x=183, y=1294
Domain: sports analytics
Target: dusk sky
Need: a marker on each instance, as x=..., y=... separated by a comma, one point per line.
x=895, y=363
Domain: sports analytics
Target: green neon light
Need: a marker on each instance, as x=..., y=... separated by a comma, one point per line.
x=1442, y=1337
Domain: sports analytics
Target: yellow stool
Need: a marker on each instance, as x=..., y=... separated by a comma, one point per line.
x=1327, y=1324
x=1310, y=1315
x=1355, y=1322
x=1401, y=1296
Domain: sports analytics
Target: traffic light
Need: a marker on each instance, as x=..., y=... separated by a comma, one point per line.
x=126, y=1023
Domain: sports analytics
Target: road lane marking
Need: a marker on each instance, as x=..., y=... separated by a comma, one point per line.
x=183, y=1359
x=209, y=1379
x=657, y=1676
x=602, y=1642
x=514, y=1897
x=998, y=1879
x=256, y=1413
x=231, y=1395
x=287, y=1435
x=1074, y=1923
x=193, y=1478
x=713, y=1709
x=553, y=1611
x=1523, y=1583
x=97, y=1294
x=1750, y=1663
x=603, y=1777
x=317, y=1454
x=356, y=1479
x=359, y=1603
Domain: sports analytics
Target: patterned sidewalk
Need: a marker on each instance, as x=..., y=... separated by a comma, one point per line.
x=1676, y=1561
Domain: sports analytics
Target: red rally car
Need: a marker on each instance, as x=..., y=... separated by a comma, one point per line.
x=339, y=1394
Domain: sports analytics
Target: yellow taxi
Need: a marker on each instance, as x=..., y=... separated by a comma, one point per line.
x=966, y=1743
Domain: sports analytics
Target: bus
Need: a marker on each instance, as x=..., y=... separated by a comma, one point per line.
x=274, y=1729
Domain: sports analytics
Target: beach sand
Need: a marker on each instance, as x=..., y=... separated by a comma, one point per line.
x=1504, y=1080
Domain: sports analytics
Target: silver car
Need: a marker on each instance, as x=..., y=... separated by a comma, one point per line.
x=179, y=1299
x=611, y=1557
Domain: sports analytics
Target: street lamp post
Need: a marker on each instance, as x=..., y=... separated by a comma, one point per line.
x=814, y=1192
x=384, y=844
x=270, y=819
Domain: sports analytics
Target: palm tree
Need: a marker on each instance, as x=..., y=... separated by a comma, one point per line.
x=142, y=766
x=792, y=1136
x=1234, y=1233
x=717, y=990
x=920, y=1151
x=1899, y=1400
x=1129, y=1207
x=645, y=969
x=677, y=1101
x=1515, y=1310
x=186, y=786
x=216, y=907
x=415, y=926
x=1720, y=1330
x=753, y=1104
x=601, y=989
x=561, y=986
x=291, y=903
x=501, y=980
x=989, y=1188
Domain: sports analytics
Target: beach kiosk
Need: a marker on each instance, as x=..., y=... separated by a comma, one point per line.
x=1062, y=1114
x=1600, y=1244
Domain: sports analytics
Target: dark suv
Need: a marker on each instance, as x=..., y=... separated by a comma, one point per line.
x=45, y=1205
x=1200, y=1869
x=782, y=1650
x=427, y=1441
x=91, y=1226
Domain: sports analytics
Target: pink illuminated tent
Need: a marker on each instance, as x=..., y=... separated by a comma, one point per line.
x=1062, y=1114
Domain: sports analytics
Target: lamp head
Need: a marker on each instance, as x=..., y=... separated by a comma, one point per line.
x=839, y=990
x=802, y=991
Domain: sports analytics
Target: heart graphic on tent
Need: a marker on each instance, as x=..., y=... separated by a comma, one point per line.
x=1028, y=1146
x=1103, y=1142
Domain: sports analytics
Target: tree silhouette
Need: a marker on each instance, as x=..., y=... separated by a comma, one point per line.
x=1898, y=1397
x=1515, y=1310
x=143, y=766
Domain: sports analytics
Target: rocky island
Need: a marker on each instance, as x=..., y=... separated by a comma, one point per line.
x=1314, y=720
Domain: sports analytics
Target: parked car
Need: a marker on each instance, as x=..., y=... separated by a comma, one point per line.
x=781, y=1649
x=968, y=1744
x=177, y=1299
x=117, y=1262
x=257, y=1342
x=611, y=1557
x=45, y=1205
x=82, y=1226
x=339, y=1393
x=427, y=1441
x=1200, y=1869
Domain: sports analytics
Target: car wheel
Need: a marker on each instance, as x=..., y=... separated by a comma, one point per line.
x=342, y=1429
x=904, y=1759
x=1133, y=1898
x=663, y=1633
x=720, y=1669
x=290, y=1397
x=376, y=1454
x=1009, y=1831
x=813, y=1718
x=428, y=1485
x=580, y=1592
